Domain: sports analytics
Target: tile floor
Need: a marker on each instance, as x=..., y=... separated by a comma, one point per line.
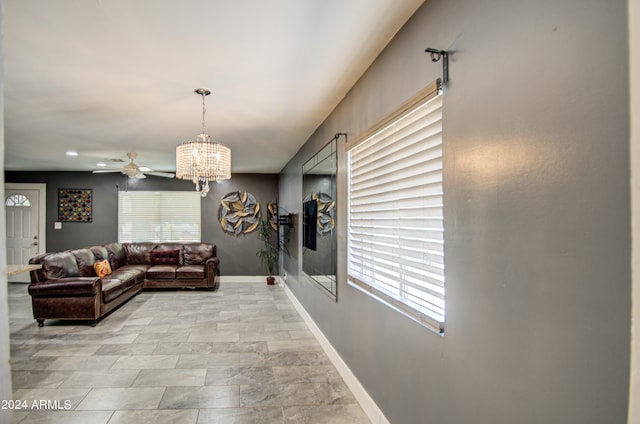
x=241, y=354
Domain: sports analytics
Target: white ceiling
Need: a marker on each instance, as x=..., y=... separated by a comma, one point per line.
x=106, y=77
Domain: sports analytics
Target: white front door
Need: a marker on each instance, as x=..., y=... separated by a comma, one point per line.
x=22, y=211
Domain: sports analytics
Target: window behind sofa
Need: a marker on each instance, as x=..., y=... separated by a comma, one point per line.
x=159, y=216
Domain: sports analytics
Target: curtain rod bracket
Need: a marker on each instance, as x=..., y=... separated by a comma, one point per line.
x=436, y=55
x=337, y=136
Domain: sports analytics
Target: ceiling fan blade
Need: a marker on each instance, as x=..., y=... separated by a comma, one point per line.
x=139, y=176
x=161, y=174
x=104, y=171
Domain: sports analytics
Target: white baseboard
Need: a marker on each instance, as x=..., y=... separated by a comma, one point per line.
x=250, y=279
x=243, y=279
x=366, y=402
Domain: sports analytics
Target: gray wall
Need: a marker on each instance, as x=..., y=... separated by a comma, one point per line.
x=537, y=233
x=237, y=254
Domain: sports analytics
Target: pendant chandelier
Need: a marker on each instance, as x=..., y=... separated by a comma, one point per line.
x=201, y=160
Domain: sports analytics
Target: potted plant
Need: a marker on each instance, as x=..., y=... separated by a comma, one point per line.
x=267, y=254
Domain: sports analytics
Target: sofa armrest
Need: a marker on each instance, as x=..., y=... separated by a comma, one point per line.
x=72, y=286
x=211, y=265
x=212, y=272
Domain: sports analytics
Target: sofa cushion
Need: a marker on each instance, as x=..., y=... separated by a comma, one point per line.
x=60, y=265
x=85, y=260
x=197, y=253
x=190, y=272
x=165, y=257
x=138, y=253
x=102, y=268
x=161, y=272
x=130, y=275
x=100, y=253
x=117, y=256
x=111, y=288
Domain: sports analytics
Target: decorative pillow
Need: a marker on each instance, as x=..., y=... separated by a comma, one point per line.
x=165, y=257
x=103, y=268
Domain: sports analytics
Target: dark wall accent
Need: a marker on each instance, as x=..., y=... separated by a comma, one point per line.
x=237, y=254
x=537, y=219
x=238, y=257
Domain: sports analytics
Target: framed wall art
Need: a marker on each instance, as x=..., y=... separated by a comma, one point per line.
x=75, y=205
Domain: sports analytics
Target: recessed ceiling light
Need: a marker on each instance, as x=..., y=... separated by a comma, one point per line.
x=101, y=164
x=71, y=153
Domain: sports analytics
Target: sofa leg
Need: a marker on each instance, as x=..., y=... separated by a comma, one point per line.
x=93, y=323
x=40, y=322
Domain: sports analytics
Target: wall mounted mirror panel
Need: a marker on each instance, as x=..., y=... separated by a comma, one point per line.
x=319, y=218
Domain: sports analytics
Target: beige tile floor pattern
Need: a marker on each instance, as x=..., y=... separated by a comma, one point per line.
x=241, y=354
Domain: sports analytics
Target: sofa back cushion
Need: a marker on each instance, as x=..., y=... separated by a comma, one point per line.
x=197, y=253
x=117, y=256
x=165, y=257
x=85, y=260
x=60, y=265
x=138, y=253
x=100, y=253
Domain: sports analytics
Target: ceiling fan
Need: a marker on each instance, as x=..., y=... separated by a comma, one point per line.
x=132, y=170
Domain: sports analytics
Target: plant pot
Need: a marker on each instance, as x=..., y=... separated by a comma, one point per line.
x=271, y=280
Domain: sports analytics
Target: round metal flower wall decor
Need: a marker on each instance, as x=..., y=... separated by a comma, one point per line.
x=326, y=211
x=239, y=213
x=272, y=214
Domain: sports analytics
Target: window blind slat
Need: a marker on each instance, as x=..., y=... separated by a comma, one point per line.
x=395, y=230
x=389, y=281
x=436, y=319
x=404, y=192
x=435, y=259
x=400, y=169
x=417, y=138
x=424, y=139
x=428, y=274
x=407, y=233
x=427, y=223
x=429, y=92
x=411, y=247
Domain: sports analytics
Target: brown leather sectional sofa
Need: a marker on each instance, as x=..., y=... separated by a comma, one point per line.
x=67, y=287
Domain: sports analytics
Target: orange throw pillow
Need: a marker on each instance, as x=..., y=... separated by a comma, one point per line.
x=103, y=268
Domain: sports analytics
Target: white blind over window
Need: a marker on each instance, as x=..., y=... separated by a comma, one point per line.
x=396, y=232
x=159, y=216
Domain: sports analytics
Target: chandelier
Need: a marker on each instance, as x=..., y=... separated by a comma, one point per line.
x=201, y=160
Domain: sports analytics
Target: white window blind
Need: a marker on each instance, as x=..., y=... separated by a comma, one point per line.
x=159, y=216
x=396, y=232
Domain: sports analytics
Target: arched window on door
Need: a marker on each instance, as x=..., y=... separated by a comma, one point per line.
x=18, y=200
